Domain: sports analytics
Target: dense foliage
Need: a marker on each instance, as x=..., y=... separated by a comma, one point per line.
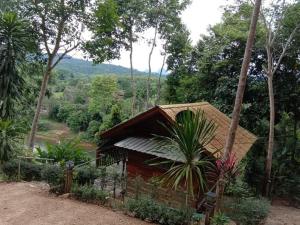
x=247, y=211
x=89, y=193
x=28, y=171
x=209, y=72
x=146, y=208
x=64, y=151
x=93, y=105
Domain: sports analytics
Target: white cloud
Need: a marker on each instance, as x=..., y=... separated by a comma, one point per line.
x=197, y=17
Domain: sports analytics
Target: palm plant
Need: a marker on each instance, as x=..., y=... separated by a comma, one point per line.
x=10, y=139
x=186, y=143
x=64, y=151
x=16, y=42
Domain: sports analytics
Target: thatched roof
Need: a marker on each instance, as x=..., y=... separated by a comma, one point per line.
x=243, y=141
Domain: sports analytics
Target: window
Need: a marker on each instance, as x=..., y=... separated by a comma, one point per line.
x=184, y=114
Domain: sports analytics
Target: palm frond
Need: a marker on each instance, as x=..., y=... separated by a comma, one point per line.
x=187, y=141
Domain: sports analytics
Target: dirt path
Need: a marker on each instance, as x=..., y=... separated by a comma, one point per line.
x=30, y=204
x=283, y=215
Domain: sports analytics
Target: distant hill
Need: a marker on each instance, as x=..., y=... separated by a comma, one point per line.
x=83, y=67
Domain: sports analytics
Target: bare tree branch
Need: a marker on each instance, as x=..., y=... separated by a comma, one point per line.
x=285, y=48
x=64, y=54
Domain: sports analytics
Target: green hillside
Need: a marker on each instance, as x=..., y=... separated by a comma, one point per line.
x=84, y=67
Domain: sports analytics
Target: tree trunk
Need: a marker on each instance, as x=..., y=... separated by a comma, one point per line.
x=271, y=137
x=149, y=65
x=39, y=105
x=239, y=96
x=159, y=80
x=131, y=75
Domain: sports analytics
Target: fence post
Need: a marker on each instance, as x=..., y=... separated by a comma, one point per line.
x=68, y=176
x=19, y=170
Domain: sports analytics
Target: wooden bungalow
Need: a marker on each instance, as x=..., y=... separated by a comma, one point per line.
x=132, y=143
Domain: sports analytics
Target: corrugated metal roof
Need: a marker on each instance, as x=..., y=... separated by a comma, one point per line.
x=149, y=146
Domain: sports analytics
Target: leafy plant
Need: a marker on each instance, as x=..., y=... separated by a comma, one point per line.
x=28, y=170
x=11, y=135
x=86, y=175
x=219, y=219
x=238, y=189
x=43, y=125
x=188, y=139
x=247, y=211
x=17, y=41
x=89, y=193
x=147, y=208
x=52, y=174
x=63, y=152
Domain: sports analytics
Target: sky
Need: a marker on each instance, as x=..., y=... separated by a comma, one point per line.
x=197, y=17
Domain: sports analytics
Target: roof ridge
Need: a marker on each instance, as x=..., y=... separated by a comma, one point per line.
x=182, y=105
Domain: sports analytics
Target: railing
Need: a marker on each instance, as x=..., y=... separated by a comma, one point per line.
x=29, y=157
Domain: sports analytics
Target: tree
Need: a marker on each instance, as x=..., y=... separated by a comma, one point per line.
x=187, y=141
x=59, y=25
x=274, y=21
x=17, y=42
x=179, y=48
x=103, y=94
x=239, y=98
x=164, y=17
x=116, y=24
x=112, y=119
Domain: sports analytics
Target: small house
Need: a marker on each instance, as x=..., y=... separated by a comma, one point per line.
x=132, y=144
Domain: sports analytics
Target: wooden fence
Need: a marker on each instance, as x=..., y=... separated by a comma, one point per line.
x=137, y=187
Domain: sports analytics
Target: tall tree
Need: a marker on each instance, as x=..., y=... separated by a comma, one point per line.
x=273, y=19
x=17, y=42
x=239, y=98
x=117, y=24
x=164, y=17
x=59, y=24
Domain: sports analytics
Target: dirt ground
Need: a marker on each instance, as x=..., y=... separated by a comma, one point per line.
x=283, y=215
x=30, y=204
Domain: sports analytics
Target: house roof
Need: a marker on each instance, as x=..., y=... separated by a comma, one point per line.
x=243, y=140
x=149, y=146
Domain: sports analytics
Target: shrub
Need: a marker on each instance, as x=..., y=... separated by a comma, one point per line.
x=64, y=151
x=89, y=193
x=219, y=219
x=86, y=175
x=44, y=125
x=52, y=174
x=146, y=208
x=247, y=211
x=28, y=170
x=238, y=189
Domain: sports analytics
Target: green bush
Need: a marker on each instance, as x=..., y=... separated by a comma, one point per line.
x=238, y=189
x=146, y=208
x=89, y=193
x=63, y=152
x=86, y=175
x=247, y=211
x=44, y=125
x=219, y=219
x=28, y=170
x=52, y=174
